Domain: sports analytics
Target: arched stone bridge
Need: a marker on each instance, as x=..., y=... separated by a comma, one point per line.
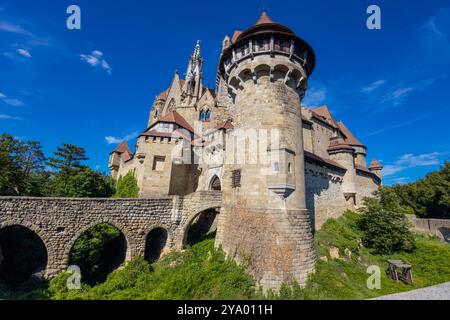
x=60, y=221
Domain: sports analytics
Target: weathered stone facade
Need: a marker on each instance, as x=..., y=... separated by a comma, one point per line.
x=60, y=221
x=283, y=168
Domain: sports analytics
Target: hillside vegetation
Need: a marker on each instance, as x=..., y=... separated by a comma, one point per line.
x=201, y=272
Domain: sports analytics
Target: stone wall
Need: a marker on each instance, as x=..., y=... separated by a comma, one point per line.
x=324, y=197
x=60, y=221
x=434, y=227
x=366, y=185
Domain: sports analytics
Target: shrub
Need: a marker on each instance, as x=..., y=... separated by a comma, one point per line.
x=384, y=225
x=127, y=187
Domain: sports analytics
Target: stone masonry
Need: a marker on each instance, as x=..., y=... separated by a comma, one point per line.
x=60, y=221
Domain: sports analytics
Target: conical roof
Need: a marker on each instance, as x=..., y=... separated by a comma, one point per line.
x=375, y=164
x=264, y=18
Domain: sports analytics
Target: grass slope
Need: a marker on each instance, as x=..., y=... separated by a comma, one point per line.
x=346, y=278
x=201, y=272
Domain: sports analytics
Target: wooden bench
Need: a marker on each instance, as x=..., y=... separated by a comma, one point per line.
x=406, y=271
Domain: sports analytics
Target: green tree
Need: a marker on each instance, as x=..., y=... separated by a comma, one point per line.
x=68, y=158
x=428, y=197
x=127, y=187
x=384, y=224
x=21, y=162
x=83, y=183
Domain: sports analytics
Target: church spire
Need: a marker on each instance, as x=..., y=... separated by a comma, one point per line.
x=194, y=74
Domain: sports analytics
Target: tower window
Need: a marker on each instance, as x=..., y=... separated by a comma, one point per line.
x=261, y=44
x=208, y=115
x=202, y=116
x=277, y=166
x=236, y=178
x=158, y=163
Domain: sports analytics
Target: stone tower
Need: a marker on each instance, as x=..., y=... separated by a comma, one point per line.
x=263, y=222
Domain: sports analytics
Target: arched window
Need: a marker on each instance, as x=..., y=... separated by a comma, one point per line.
x=208, y=115
x=156, y=113
x=202, y=115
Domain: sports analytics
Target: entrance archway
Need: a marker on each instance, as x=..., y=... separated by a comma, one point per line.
x=22, y=254
x=154, y=244
x=201, y=227
x=215, y=184
x=98, y=251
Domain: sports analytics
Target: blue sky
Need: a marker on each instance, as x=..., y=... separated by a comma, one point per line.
x=93, y=86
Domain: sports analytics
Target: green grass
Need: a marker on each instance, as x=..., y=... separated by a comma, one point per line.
x=346, y=278
x=202, y=272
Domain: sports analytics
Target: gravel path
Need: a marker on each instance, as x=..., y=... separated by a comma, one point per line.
x=438, y=292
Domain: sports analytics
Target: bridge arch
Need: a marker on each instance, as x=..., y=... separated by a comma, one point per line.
x=40, y=235
x=157, y=240
x=184, y=228
x=129, y=240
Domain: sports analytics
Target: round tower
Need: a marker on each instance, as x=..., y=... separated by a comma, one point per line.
x=344, y=154
x=376, y=167
x=264, y=220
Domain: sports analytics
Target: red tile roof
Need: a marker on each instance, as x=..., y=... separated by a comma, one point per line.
x=375, y=164
x=123, y=147
x=226, y=125
x=163, y=95
x=236, y=34
x=349, y=137
x=175, y=117
x=323, y=113
x=264, y=18
x=311, y=157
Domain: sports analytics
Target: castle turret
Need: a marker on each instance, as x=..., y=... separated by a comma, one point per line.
x=264, y=216
x=120, y=154
x=344, y=154
x=376, y=167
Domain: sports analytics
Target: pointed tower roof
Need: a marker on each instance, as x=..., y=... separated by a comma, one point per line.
x=375, y=164
x=264, y=18
x=197, y=49
x=123, y=147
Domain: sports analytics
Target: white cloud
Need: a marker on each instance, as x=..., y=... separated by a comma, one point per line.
x=14, y=102
x=411, y=161
x=396, y=126
x=6, y=26
x=399, y=93
x=24, y=52
x=7, y=117
x=373, y=86
x=11, y=101
x=96, y=59
x=315, y=96
x=117, y=140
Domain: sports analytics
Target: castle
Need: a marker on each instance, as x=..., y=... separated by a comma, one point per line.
x=283, y=169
